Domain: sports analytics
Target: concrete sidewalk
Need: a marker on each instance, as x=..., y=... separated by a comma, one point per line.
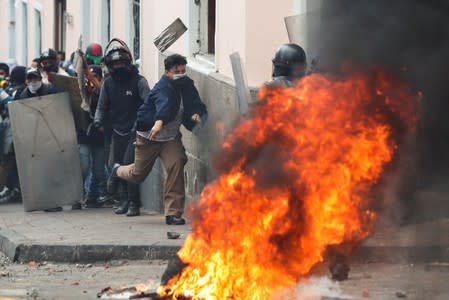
x=99, y=235
x=85, y=235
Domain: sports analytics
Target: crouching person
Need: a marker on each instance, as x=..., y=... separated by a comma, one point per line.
x=173, y=101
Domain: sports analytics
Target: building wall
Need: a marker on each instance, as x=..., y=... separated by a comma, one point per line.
x=73, y=29
x=156, y=16
x=4, y=25
x=254, y=28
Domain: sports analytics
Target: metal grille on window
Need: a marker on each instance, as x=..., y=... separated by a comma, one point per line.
x=136, y=21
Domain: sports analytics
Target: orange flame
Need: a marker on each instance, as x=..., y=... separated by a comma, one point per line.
x=296, y=179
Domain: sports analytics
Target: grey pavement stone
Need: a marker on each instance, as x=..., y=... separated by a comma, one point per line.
x=85, y=236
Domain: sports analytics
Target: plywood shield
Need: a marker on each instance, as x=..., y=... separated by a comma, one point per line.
x=46, y=151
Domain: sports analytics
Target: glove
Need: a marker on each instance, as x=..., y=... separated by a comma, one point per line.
x=95, y=128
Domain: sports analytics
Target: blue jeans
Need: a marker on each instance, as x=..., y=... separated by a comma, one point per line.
x=93, y=162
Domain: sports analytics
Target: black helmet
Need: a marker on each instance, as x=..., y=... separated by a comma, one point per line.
x=117, y=55
x=289, y=60
x=49, y=53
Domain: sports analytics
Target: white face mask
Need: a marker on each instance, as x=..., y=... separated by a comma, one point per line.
x=34, y=86
x=179, y=76
x=2, y=77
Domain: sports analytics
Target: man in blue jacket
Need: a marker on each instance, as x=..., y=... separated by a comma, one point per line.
x=173, y=101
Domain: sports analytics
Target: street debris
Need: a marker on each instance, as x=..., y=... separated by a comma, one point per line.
x=174, y=268
x=339, y=271
x=81, y=266
x=401, y=294
x=123, y=293
x=365, y=294
x=173, y=235
x=32, y=264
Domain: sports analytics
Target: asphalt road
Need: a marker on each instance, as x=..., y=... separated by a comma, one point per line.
x=41, y=280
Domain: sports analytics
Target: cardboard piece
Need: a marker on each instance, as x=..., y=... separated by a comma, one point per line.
x=170, y=35
x=46, y=150
x=70, y=84
x=243, y=93
x=305, y=30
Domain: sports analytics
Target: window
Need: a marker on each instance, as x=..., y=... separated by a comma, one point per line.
x=202, y=26
x=136, y=29
x=109, y=19
x=105, y=22
x=24, y=44
x=12, y=28
x=211, y=26
x=85, y=24
x=37, y=32
x=60, y=24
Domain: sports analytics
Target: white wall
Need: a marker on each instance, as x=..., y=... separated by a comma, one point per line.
x=254, y=28
x=4, y=46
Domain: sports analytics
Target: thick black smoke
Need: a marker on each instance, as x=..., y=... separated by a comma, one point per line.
x=410, y=35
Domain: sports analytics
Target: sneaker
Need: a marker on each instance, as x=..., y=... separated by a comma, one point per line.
x=113, y=180
x=133, y=210
x=4, y=192
x=174, y=220
x=5, y=197
x=92, y=203
x=122, y=208
x=10, y=196
x=106, y=201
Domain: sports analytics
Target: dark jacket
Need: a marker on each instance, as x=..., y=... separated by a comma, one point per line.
x=164, y=101
x=91, y=136
x=120, y=98
x=45, y=89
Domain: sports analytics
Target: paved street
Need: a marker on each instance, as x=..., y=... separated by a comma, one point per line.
x=83, y=281
x=75, y=254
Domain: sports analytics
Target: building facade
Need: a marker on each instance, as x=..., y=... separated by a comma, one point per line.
x=216, y=29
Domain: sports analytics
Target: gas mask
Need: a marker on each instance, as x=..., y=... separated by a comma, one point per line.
x=33, y=87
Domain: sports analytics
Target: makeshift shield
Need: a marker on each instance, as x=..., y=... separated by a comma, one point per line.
x=69, y=84
x=305, y=30
x=243, y=93
x=47, y=153
x=80, y=66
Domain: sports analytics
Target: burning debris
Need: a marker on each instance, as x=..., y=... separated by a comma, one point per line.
x=296, y=181
x=295, y=190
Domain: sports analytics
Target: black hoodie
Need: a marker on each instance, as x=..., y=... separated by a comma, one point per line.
x=120, y=98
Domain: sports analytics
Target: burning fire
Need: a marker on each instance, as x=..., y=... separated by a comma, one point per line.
x=296, y=179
